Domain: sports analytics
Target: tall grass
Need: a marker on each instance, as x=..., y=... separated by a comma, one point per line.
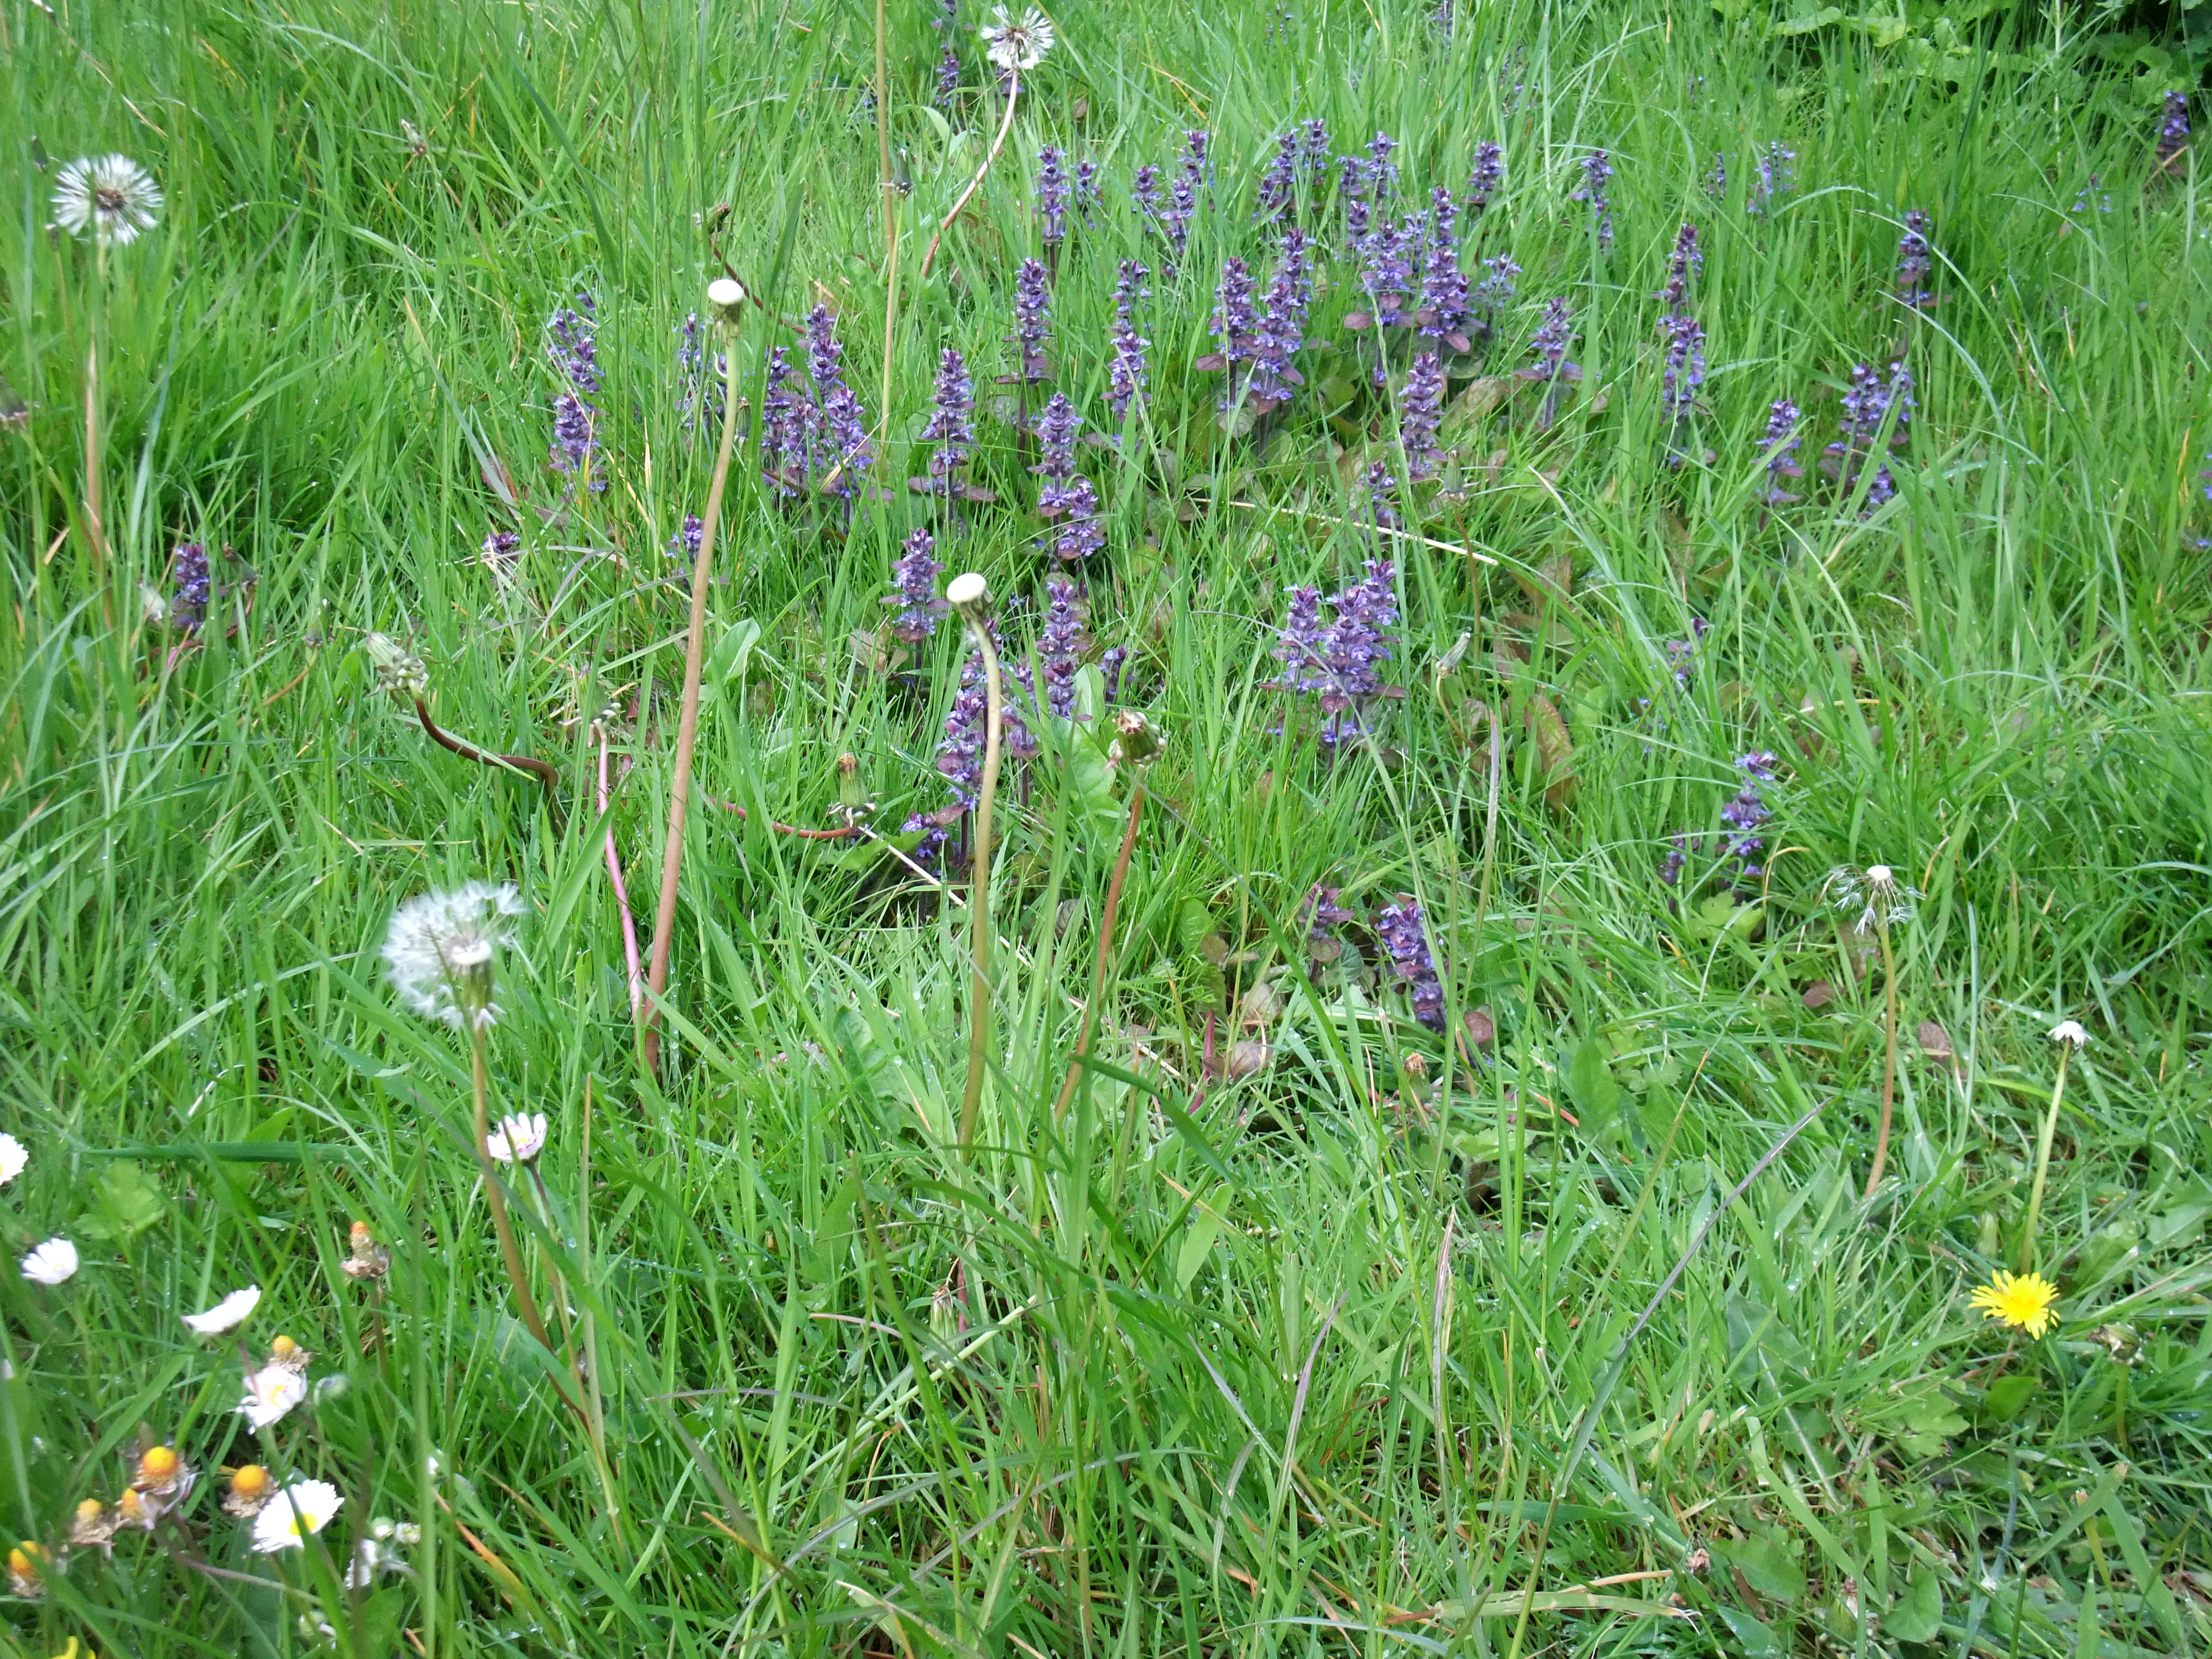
x=1305, y=1355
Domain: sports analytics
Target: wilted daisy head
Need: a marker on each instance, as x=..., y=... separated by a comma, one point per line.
x=518, y=1138
x=1874, y=892
x=1018, y=45
x=111, y=196
x=440, y=949
x=2070, y=1032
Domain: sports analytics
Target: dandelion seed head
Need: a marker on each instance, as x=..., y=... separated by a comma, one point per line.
x=111, y=196
x=1018, y=45
x=440, y=949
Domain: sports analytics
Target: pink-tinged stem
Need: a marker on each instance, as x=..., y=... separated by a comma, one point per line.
x=622, y=895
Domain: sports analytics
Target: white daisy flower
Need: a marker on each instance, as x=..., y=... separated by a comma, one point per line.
x=271, y=1393
x=1019, y=47
x=518, y=1139
x=53, y=1262
x=285, y=1521
x=2070, y=1030
x=226, y=1314
x=111, y=196
x=442, y=948
x=13, y=1155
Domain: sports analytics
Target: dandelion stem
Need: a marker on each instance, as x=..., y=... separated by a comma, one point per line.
x=544, y=771
x=979, y=908
x=509, y=1251
x=95, y=531
x=1013, y=98
x=622, y=895
x=1888, y=1060
x=2043, y=1162
x=687, y=730
x=1105, y=949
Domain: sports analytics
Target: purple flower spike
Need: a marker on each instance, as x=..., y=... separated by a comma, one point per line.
x=1685, y=370
x=1278, y=185
x=1401, y=928
x=194, y=588
x=1747, y=813
x=950, y=425
x=1597, y=172
x=1313, y=156
x=1060, y=646
x=1144, y=193
x=1553, y=337
x=573, y=442
x=1282, y=330
x=1716, y=181
x=1495, y=291
x=1086, y=189
x=1352, y=191
x=1678, y=854
x=1382, y=171
x=1032, y=320
x=2173, y=130
x=685, y=543
x=1341, y=660
x=1380, y=486
x=1420, y=409
x=1683, y=267
x=1914, y=260
x=1066, y=494
x=1322, y=915
x=573, y=345
x=1488, y=177
x=1780, y=444
x=786, y=428
x=1182, y=207
x=948, y=78
x=1302, y=644
x=847, y=453
x=1052, y=195
x=1775, y=174
x=501, y=549
x=914, y=578
x=1126, y=374
x=1234, y=323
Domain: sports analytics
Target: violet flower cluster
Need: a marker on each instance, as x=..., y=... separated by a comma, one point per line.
x=1420, y=412
x=1060, y=646
x=1341, y=660
x=959, y=757
x=686, y=542
x=573, y=348
x=1052, y=195
x=1914, y=260
x=2173, y=129
x=1322, y=915
x=192, y=587
x=1488, y=176
x=1747, y=812
x=1867, y=406
x=913, y=584
x=1597, y=173
x=1125, y=370
x=1402, y=930
x=1780, y=444
x=1032, y=321
x=1685, y=365
x=1772, y=178
x=1066, y=494
x=951, y=427
x=1280, y=332
x=1278, y=190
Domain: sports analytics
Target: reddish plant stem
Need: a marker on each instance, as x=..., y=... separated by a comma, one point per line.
x=784, y=829
x=1105, y=951
x=541, y=770
x=622, y=895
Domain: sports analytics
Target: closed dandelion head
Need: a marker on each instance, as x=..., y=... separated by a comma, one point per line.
x=110, y=196
x=25, y=1563
x=397, y=669
x=442, y=948
x=1018, y=45
x=2026, y=1302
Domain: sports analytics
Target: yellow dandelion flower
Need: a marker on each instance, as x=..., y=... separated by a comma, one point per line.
x=2024, y=1301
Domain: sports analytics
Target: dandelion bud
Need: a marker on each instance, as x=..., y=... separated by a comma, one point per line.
x=397, y=669
x=1417, y=1067
x=726, y=301
x=717, y=216
x=1136, y=740
x=970, y=595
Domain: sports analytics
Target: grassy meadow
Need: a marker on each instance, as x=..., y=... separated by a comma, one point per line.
x=1457, y=1236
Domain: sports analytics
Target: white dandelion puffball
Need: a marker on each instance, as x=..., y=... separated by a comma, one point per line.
x=111, y=196
x=52, y=1263
x=2070, y=1030
x=441, y=950
x=518, y=1139
x=285, y=1520
x=271, y=1393
x=1019, y=47
x=229, y=1312
x=13, y=1155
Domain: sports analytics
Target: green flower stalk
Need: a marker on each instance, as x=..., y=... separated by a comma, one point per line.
x=2068, y=1036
